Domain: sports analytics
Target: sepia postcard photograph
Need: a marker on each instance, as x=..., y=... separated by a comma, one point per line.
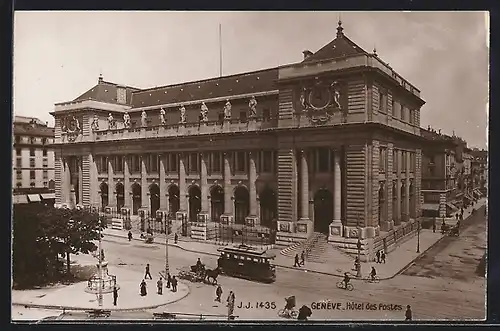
x=249, y=166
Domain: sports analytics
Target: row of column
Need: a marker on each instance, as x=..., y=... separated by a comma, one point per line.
x=405, y=208
x=304, y=186
x=228, y=206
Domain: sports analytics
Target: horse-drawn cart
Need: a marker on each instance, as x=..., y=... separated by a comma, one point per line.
x=199, y=274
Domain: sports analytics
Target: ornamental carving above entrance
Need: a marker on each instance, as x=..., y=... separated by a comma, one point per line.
x=321, y=100
x=71, y=126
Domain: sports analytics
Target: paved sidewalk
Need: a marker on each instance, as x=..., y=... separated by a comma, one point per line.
x=397, y=260
x=75, y=297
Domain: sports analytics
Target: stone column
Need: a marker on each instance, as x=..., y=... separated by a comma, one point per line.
x=253, y=217
x=67, y=182
x=163, y=184
x=336, y=228
x=126, y=184
x=397, y=217
x=94, y=185
x=304, y=186
x=111, y=183
x=144, y=184
x=182, y=184
x=80, y=181
x=407, y=187
x=204, y=187
x=228, y=191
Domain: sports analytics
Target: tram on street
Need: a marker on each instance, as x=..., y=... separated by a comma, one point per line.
x=247, y=262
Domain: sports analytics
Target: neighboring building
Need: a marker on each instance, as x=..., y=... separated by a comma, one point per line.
x=33, y=161
x=329, y=145
x=439, y=174
x=479, y=165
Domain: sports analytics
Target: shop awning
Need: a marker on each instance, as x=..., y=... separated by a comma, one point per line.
x=451, y=206
x=34, y=197
x=430, y=206
x=48, y=195
x=16, y=199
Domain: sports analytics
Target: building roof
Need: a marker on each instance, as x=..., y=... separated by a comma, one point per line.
x=106, y=92
x=33, y=130
x=28, y=120
x=341, y=46
x=250, y=82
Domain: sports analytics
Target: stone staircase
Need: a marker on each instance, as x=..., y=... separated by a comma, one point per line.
x=297, y=248
x=324, y=252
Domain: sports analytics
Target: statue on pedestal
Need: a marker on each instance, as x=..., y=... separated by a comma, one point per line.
x=95, y=123
x=183, y=115
x=204, y=112
x=303, y=101
x=227, y=110
x=252, y=104
x=163, y=121
x=111, y=122
x=336, y=94
x=144, y=119
x=126, y=120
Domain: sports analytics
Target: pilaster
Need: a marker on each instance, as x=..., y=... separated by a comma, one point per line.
x=163, y=184
x=126, y=184
x=144, y=184
x=182, y=184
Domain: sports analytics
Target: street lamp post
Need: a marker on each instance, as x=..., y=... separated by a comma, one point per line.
x=99, y=295
x=167, y=227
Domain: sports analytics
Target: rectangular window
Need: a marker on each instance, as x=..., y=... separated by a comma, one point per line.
x=323, y=156
x=45, y=163
x=383, y=160
x=193, y=163
x=45, y=184
x=215, y=162
x=18, y=184
x=32, y=174
x=32, y=152
x=240, y=162
x=104, y=163
x=394, y=160
x=19, y=162
x=44, y=153
x=173, y=162
x=382, y=102
x=45, y=174
x=221, y=117
x=135, y=163
x=44, y=141
x=18, y=151
x=152, y=162
x=267, y=161
x=118, y=164
x=32, y=184
x=393, y=104
x=18, y=139
x=404, y=161
x=32, y=162
x=19, y=174
x=243, y=116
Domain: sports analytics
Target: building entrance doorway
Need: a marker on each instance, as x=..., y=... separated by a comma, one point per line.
x=194, y=203
x=323, y=210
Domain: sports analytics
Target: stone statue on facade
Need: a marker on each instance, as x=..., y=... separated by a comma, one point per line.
x=303, y=101
x=95, y=123
x=183, y=115
x=163, y=120
x=252, y=104
x=126, y=120
x=204, y=112
x=144, y=119
x=336, y=94
x=111, y=122
x=227, y=110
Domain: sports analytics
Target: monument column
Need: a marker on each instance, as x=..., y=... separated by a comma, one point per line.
x=67, y=182
x=304, y=186
x=336, y=227
x=253, y=218
x=228, y=203
x=397, y=217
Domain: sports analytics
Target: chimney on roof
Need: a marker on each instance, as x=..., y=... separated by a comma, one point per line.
x=340, y=30
x=100, y=79
x=307, y=53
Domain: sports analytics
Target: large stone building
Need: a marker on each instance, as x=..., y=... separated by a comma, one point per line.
x=328, y=145
x=479, y=165
x=33, y=161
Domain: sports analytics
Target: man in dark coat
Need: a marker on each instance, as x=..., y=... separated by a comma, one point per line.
x=174, y=284
x=408, y=316
x=175, y=238
x=115, y=295
x=169, y=280
x=129, y=236
x=378, y=256
x=148, y=273
x=159, y=285
x=296, y=264
x=218, y=293
x=302, y=258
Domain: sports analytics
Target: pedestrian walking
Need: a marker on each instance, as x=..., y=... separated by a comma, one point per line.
x=148, y=273
x=434, y=225
x=230, y=303
x=297, y=263
x=169, y=280
x=218, y=293
x=408, y=316
x=456, y=216
x=378, y=257
x=303, y=258
x=175, y=238
x=144, y=291
x=129, y=236
x=174, y=284
x=115, y=295
x=382, y=257
x=159, y=285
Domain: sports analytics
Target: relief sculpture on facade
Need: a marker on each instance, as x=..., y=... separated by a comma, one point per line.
x=126, y=120
x=320, y=101
x=227, y=110
x=183, y=115
x=204, y=112
x=144, y=119
x=252, y=104
x=163, y=121
x=111, y=122
x=71, y=126
x=95, y=123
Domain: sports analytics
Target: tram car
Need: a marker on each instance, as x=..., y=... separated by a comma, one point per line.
x=247, y=262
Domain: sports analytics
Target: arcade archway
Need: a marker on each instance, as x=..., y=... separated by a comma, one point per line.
x=104, y=195
x=120, y=196
x=173, y=200
x=154, y=198
x=268, y=207
x=323, y=210
x=194, y=203
x=241, y=204
x=136, y=198
x=216, y=203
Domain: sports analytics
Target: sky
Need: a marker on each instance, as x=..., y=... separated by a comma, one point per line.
x=59, y=55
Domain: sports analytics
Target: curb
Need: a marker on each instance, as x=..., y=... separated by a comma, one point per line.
x=314, y=271
x=55, y=307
